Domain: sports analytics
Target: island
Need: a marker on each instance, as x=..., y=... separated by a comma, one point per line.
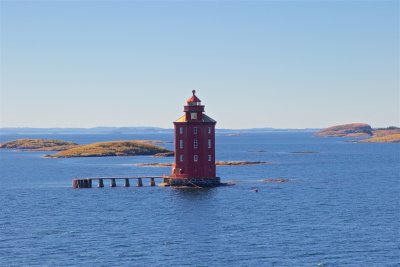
x=113, y=148
x=357, y=130
x=392, y=138
x=386, y=131
x=38, y=145
x=346, y=130
x=101, y=149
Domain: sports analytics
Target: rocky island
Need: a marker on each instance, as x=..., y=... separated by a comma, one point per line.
x=38, y=145
x=101, y=149
x=346, y=130
x=392, y=138
x=113, y=148
x=360, y=130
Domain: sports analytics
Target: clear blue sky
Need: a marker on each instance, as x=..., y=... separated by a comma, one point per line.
x=291, y=64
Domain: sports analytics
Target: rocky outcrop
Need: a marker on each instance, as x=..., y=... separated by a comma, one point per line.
x=153, y=164
x=392, y=138
x=386, y=131
x=114, y=148
x=357, y=130
x=279, y=180
x=38, y=145
x=346, y=130
x=165, y=154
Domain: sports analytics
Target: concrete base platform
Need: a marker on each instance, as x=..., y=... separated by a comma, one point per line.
x=192, y=182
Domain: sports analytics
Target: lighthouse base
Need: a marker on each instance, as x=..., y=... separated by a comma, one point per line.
x=192, y=182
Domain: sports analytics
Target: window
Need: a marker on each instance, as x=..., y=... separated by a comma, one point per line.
x=195, y=130
x=181, y=158
x=193, y=116
x=181, y=130
x=195, y=143
x=209, y=157
x=196, y=158
x=209, y=143
x=181, y=144
x=209, y=130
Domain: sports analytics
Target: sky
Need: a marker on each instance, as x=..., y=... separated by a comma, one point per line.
x=254, y=64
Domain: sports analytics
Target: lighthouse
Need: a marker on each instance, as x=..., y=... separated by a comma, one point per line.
x=194, y=139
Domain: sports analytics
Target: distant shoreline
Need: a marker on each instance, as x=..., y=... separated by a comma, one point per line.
x=135, y=130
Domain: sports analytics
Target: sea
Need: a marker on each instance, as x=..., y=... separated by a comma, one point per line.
x=340, y=206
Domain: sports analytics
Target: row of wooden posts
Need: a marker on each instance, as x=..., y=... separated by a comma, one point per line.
x=88, y=182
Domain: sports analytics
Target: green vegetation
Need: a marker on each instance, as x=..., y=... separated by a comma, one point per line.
x=38, y=145
x=393, y=138
x=114, y=148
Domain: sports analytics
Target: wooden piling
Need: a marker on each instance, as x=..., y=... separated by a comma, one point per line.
x=113, y=183
x=88, y=181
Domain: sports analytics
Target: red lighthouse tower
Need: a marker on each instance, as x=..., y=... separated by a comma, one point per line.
x=194, y=147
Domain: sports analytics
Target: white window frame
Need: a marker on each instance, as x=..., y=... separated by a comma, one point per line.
x=209, y=157
x=195, y=158
x=195, y=143
x=181, y=158
x=209, y=130
x=193, y=116
x=195, y=130
x=209, y=143
x=181, y=130
x=181, y=144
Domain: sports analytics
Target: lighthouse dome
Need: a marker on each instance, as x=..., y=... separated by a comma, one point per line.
x=193, y=100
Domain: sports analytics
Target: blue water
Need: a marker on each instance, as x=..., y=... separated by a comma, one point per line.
x=339, y=208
